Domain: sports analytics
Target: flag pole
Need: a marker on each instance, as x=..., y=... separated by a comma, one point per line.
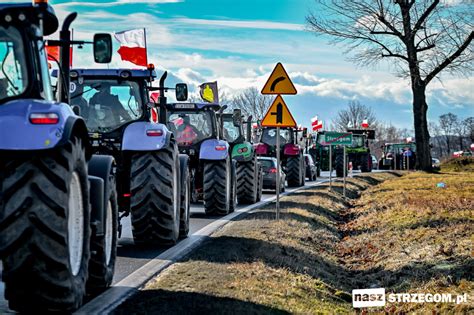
x=146, y=48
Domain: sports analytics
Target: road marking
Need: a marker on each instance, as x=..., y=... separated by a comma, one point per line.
x=119, y=292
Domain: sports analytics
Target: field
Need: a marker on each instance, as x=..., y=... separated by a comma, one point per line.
x=402, y=231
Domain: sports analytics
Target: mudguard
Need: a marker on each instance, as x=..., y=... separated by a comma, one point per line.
x=209, y=150
x=291, y=149
x=243, y=152
x=18, y=133
x=135, y=137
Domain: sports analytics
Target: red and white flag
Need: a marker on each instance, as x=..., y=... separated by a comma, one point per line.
x=133, y=46
x=365, y=123
x=316, y=124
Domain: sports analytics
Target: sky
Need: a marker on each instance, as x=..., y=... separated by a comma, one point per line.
x=238, y=43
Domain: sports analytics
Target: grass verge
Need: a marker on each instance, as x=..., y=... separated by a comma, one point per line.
x=402, y=233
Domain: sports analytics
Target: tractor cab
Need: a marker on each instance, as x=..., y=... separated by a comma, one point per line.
x=25, y=72
x=192, y=124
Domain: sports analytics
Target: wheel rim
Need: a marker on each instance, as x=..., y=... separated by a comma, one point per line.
x=108, y=233
x=75, y=224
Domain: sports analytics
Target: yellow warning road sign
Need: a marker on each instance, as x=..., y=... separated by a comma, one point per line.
x=279, y=82
x=278, y=115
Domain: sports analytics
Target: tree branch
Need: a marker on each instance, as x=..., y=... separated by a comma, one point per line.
x=450, y=59
x=395, y=55
x=423, y=18
x=425, y=48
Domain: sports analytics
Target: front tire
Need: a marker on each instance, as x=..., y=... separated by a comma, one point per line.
x=155, y=200
x=104, y=248
x=217, y=187
x=185, y=197
x=247, y=182
x=339, y=165
x=45, y=230
x=296, y=171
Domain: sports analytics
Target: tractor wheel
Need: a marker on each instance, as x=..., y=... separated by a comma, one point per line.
x=260, y=183
x=233, y=192
x=104, y=248
x=155, y=200
x=247, y=182
x=339, y=165
x=185, y=197
x=366, y=164
x=45, y=230
x=296, y=172
x=217, y=187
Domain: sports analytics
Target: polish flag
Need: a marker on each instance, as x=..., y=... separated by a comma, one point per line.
x=133, y=46
x=365, y=123
x=315, y=124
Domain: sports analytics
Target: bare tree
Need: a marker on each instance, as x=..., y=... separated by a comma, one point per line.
x=438, y=142
x=469, y=123
x=421, y=38
x=251, y=102
x=447, y=123
x=353, y=116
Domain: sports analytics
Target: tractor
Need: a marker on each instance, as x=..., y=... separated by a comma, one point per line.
x=249, y=171
x=291, y=152
x=199, y=134
x=152, y=178
x=398, y=156
x=58, y=201
x=358, y=153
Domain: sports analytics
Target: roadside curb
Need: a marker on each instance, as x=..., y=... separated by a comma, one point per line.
x=118, y=293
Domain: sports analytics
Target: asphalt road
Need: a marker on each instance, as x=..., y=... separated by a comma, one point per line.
x=130, y=257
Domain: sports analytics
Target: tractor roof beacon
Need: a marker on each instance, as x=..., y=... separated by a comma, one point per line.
x=199, y=133
x=122, y=121
x=46, y=169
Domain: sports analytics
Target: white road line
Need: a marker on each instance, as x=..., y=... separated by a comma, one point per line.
x=119, y=292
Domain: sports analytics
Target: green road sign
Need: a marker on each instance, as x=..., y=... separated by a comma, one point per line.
x=337, y=138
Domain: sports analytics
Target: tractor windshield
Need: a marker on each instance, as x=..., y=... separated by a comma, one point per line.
x=13, y=65
x=269, y=136
x=107, y=104
x=231, y=131
x=191, y=127
x=357, y=141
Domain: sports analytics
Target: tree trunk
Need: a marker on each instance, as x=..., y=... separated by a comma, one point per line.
x=422, y=136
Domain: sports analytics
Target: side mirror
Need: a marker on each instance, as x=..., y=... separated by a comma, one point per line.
x=181, y=92
x=102, y=48
x=237, y=117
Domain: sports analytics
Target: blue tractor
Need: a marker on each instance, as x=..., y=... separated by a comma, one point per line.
x=199, y=134
x=58, y=204
x=152, y=178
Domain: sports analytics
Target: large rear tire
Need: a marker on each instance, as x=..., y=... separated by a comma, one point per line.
x=233, y=191
x=217, y=187
x=155, y=200
x=366, y=164
x=104, y=248
x=296, y=171
x=185, y=209
x=45, y=230
x=260, y=183
x=247, y=181
x=339, y=164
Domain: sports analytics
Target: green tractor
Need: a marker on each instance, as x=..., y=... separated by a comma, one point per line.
x=398, y=156
x=249, y=171
x=358, y=153
x=319, y=152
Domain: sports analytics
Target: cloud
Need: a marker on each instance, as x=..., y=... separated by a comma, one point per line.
x=267, y=25
x=114, y=3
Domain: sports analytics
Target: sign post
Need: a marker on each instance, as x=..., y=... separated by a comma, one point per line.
x=277, y=188
x=344, y=173
x=278, y=115
x=330, y=167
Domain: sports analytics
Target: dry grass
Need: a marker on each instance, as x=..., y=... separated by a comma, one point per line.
x=403, y=234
